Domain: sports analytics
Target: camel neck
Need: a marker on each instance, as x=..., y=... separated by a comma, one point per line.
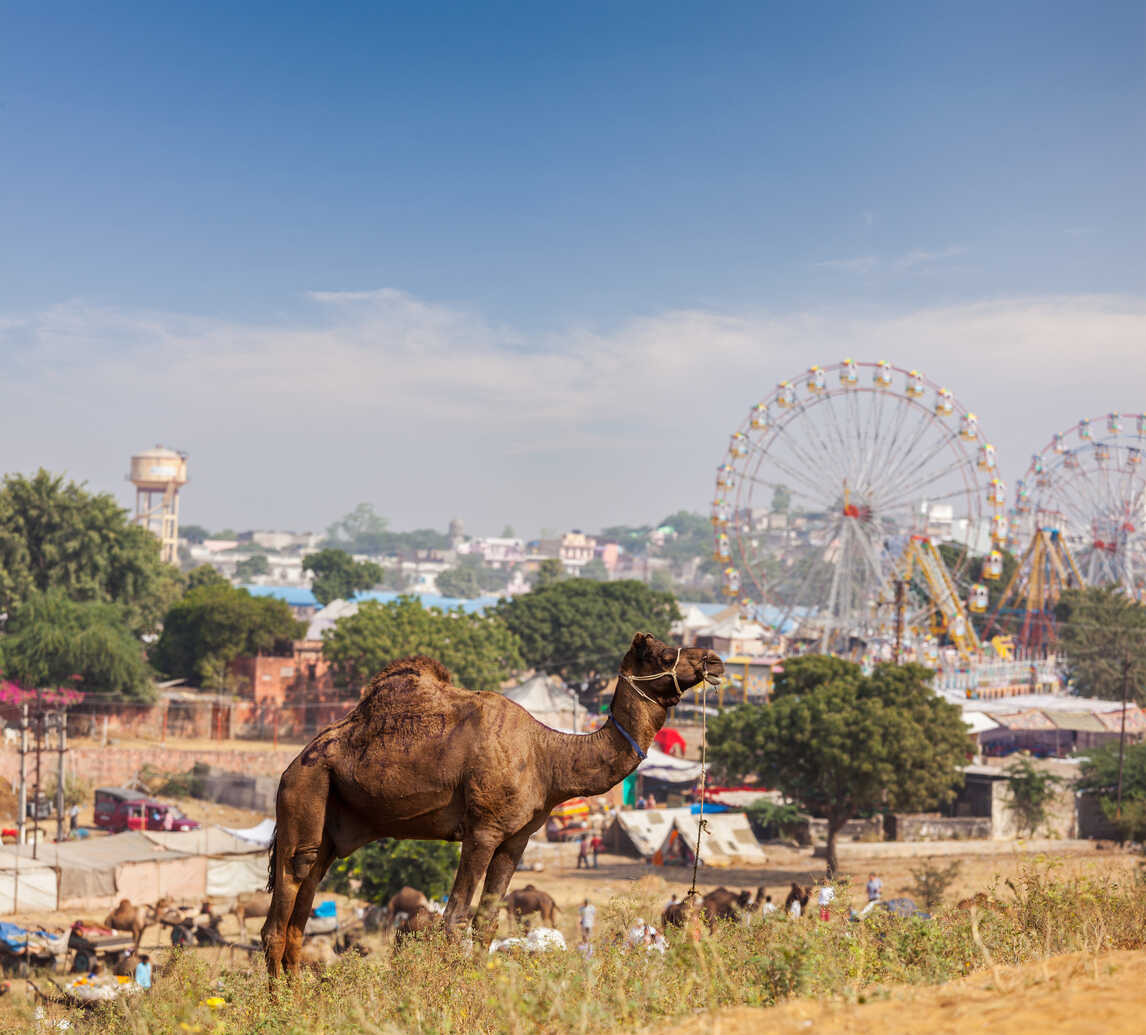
x=587, y=764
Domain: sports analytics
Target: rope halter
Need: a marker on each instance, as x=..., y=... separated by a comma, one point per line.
x=634, y=680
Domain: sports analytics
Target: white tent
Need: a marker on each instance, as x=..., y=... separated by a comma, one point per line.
x=660, y=765
x=727, y=840
x=234, y=865
x=641, y=831
x=26, y=885
x=261, y=833
x=548, y=700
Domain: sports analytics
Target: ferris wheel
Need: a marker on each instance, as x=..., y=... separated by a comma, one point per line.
x=845, y=481
x=1089, y=483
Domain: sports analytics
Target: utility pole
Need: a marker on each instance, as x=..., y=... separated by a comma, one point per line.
x=1122, y=732
x=22, y=794
x=61, y=749
x=36, y=790
x=899, y=607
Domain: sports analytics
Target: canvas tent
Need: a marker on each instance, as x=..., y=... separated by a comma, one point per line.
x=668, y=768
x=727, y=841
x=234, y=865
x=26, y=885
x=548, y=700
x=261, y=833
x=640, y=832
x=98, y=872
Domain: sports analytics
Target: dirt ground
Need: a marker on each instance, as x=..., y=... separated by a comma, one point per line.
x=1077, y=993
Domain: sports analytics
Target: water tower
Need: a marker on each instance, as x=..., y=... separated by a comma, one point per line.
x=158, y=474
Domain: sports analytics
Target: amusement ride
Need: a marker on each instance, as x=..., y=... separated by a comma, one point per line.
x=849, y=505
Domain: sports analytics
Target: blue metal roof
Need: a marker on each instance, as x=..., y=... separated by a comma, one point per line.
x=475, y=606
x=294, y=596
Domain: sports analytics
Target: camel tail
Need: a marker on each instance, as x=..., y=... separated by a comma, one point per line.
x=273, y=858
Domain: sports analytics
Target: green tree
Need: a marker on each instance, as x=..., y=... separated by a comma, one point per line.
x=52, y=639
x=631, y=538
x=214, y=624
x=549, y=571
x=57, y=535
x=338, y=576
x=249, y=567
x=204, y=575
x=848, y=744
x=363, y=530
x=1103, y=635
x=1030, y=790
x=462, y=581
x=932, y=882
x=580, y=629
x=194, y=533
x=479, y=650
x=595, y=570
x=385, y=867
x=1099, y=776
x=781, y=499
x=508, y=532
x=692, y=538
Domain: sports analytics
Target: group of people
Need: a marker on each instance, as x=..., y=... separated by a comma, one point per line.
x=588, y=843
x=826, y=895
x=646, y=802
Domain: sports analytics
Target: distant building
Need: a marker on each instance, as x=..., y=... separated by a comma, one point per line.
x=574, y=550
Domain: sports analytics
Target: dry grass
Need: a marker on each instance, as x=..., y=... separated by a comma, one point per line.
x=434, y=986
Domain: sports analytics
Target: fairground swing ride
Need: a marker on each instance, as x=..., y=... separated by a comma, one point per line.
x=1081, y=511
x=848, y=507
x=1089, y=484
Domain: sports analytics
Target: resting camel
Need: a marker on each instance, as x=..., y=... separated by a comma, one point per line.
x=136, y=919
x=520, y=903
x=722, y=904
x=407, y=901
x=419, y=758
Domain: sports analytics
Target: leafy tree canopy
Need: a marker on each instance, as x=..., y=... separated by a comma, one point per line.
x=386, y=866
x=847, y=743
x=1099, y=771
x=631, y=538
x=693, y=536
x=337, y=575
x=52, y=639
x=249, y=567
x=479, y=650
x=204, y=575
x=57, y=535
x=549, y=571
x=1103, y=634
x=216, y=623
x=194, y=533
x=471, y=578
x=363, y=530
x=595, y=570
x=581, y=629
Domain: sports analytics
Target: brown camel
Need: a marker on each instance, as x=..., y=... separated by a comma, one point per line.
x=722, y=904
x=798, y=894
x=519, y=904
x=407, y=901
x=419, y=758
x=136, y=919
x=254, y=904
x=415, y=923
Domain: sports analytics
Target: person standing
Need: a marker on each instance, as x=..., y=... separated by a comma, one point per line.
x=596, y=845
x=824, y=898
x=874, y=888
x=73, y=818
x=143, y=972
x=583, y=852
x=769, y=906
x=588, y=915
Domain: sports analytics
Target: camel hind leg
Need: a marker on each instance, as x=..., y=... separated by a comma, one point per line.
x=300, y=816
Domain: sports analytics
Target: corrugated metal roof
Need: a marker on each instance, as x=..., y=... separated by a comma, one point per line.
x=1083, y=722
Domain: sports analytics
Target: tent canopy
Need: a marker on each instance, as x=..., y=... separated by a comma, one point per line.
x=727, y=840
x=261, y=833
x=211, y=841
x=641, y=831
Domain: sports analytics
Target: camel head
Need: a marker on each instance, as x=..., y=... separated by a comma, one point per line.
x=653, y=664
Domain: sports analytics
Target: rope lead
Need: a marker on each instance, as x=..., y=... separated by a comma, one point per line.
x=700, y=824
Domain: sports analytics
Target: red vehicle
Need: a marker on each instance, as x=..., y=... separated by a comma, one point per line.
x=117, y=809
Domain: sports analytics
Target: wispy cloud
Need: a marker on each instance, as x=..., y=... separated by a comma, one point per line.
x=859, y=264
x=911, y=260
x=428, y=410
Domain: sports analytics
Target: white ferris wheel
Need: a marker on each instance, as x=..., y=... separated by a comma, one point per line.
x=1089, y=484
x=845, y=481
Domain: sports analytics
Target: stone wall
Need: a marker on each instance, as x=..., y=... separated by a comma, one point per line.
x=111, y=766
x=933, y=827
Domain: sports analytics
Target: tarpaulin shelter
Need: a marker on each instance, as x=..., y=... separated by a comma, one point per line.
x=668, y=768
x=98, y=872
x=640, y=832
x=26, y=885
x=727, y=841
x=234, y=865
x=262, y=833
x=548, y=700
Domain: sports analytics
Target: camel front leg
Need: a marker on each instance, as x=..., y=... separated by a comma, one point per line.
x=500, y=872
x=477, y=850
x=302, y=903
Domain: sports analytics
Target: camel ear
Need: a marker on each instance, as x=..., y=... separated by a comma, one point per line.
x=641, y=641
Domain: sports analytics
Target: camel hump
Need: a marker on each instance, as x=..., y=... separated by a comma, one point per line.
x=414, y=665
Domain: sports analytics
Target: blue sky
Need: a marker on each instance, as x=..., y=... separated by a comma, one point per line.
x=488, y=252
